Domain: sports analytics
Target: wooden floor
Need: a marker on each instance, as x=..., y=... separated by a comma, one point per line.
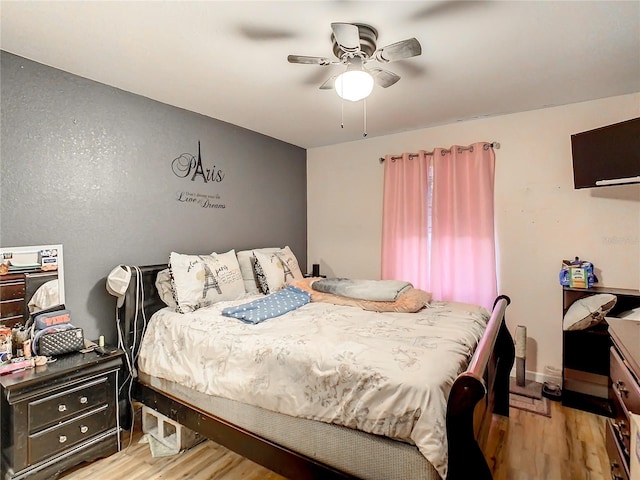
x=567, y=446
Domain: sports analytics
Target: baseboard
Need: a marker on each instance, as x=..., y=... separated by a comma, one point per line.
x=552, y=377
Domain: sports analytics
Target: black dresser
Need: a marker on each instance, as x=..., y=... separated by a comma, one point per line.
x=58, y=415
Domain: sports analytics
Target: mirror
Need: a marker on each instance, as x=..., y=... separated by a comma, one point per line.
x=31, y=279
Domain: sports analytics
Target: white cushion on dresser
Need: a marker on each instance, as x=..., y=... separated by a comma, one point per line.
x=588, y=311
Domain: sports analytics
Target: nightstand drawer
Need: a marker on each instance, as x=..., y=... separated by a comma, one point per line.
x=67, y=403
x=60, y=437
x=624, y=385
x=12, y=290
x=12, y=308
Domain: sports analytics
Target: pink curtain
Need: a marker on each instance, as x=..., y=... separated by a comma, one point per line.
x=463, y=260
x=405, y=235
x=442, y=239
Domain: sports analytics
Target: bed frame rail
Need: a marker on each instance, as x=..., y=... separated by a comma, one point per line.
x=262, y=451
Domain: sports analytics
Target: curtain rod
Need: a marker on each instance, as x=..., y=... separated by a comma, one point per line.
x=495, y=145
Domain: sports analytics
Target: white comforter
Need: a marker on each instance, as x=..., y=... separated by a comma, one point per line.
x=384, y=373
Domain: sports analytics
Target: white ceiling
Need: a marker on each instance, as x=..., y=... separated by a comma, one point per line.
x=228, y=60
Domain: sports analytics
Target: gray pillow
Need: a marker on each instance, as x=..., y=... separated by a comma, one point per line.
x=165, y=288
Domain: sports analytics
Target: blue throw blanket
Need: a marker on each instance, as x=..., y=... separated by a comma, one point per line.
x=272, y=305
x=374, y=290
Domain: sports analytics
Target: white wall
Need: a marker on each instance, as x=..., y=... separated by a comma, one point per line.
x=541, y=219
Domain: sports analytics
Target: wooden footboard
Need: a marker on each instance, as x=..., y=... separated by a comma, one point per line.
x=478, y=393
x=475, y=395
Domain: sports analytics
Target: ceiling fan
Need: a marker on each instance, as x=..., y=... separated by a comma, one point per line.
x=354, y=45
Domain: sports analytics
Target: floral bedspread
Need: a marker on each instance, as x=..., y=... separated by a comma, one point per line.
x=384, y=373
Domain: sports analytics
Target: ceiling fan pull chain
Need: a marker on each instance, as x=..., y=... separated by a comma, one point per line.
x=364, y=117
x=341, y=113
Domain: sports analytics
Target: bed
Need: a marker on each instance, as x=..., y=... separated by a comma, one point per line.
x=301, y=448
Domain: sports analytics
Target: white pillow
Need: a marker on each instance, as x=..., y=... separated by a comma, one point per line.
x=165, y=288
x=276, y=270
x=246, y=261
x=201, y=280
x=588, y=311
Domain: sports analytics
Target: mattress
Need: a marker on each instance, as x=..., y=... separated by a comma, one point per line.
x=387, y=374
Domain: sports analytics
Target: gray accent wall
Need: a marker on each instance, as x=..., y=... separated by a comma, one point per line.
x=92, y=167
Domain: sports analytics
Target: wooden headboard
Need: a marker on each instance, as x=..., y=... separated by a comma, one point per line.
x=141, y=299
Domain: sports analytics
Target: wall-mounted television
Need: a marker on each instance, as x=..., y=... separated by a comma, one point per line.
x=607, y=155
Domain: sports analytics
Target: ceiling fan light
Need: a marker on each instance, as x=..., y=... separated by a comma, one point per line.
x=354, y=85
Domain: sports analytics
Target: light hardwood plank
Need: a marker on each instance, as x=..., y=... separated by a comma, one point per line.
x=568, y=446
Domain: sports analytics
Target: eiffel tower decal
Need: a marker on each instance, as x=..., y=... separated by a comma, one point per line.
x=199, y=170
x=210, y=280
x=285, y=268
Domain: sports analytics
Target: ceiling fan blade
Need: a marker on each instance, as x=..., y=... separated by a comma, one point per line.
x=384, y=78
x=347, y=36
x=399, y=50
x=315, y=76
x=262, y=33
x=308, y=60
x=441, y=8
x=329, y=83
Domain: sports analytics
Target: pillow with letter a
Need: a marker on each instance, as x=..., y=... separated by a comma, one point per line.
x=276, y=270
x=201, y=280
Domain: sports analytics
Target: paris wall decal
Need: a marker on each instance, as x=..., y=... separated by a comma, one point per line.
x=191, y=168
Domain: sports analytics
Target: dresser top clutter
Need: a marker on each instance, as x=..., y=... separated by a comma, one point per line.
x=31, y=279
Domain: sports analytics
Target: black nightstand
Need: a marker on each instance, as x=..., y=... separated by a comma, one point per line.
x=58, y=415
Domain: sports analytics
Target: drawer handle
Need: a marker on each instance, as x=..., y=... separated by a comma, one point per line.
x=614, y=467
x=62, y=438
x=619, y=385
x=83, y=400
x=620, y=428
x=84, y=429
x=62, y=407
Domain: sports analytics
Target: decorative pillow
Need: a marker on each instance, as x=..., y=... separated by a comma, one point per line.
x=246, y=260
x=165, y=288
x=201, y=280
x=588, y=311
x=276, y=270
